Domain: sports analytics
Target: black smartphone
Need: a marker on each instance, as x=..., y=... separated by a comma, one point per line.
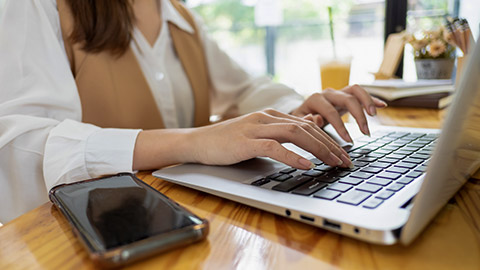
x=121, y=219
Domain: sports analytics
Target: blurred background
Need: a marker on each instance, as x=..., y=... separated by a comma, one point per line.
x=287, y=38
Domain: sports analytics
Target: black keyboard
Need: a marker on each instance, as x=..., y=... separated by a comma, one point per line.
x=384, y=164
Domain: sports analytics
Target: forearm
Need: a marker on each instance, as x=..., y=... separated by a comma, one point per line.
x=162, y=147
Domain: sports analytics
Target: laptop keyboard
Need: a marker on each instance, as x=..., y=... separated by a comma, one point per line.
x=384, y=164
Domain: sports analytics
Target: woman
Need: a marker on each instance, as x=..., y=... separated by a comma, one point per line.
x=90, y=88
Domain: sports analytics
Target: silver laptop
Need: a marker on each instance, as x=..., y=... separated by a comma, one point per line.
x=402, y=176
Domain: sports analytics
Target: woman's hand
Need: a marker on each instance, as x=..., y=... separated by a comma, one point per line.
x=329, y=105
x=252, y=135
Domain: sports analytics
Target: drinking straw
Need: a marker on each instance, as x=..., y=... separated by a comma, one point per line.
x=332, y=37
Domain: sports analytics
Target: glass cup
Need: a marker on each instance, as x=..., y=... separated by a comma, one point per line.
x=335, y=73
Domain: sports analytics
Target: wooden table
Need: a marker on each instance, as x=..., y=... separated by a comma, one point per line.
x=242, y=237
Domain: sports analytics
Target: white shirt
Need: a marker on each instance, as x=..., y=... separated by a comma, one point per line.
x=43, y=142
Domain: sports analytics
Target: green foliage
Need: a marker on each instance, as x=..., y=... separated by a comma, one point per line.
x=304, y=19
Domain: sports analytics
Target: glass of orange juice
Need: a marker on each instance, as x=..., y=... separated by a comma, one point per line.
x=335, y=73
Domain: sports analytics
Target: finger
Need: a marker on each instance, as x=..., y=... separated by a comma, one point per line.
x=323, y=107
x=318, y=119
x=364, y=97
x=279, y=117
x=296, y=134
x=274, y=150
x=341, y=99
x=379, y=103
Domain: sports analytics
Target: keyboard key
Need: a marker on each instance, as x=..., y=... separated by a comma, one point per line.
x=282, y=178
x=395, y=187
x=339, y=187
x=379, y=181
x=410, y=149
x=390, y=148
x=406, y=165
x=369, y=188
x=388, y=160
x=395, y=156
x=384, y=194
x=381, y=152
x=313, y=173
x=323, y=168
x=350, y=180
x=362, y=175
x=414, y=174
x=349, y=169
x=371, y=169
x=326, y=178
x=354, y=197
x=326, y=194
x=338, y=173
x=260, y=182
x=292, y=183
x=354, y=155
x=425, y=152
x=404, y=180
x=397, y=170
x=273, y=176
x=380, y=165
x=288, y=170
x=364, y=150
x=420, y=156
x=413, y=160
x=389, y=175
x=309, y=188
x=372, y=203
x=401, y=152
x=366, y=159
x=316, y=161
x=375, y=155
x=422, y=168
x=359, y=163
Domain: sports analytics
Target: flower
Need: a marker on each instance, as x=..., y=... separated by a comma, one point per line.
x=437, y=47
x=435, y=43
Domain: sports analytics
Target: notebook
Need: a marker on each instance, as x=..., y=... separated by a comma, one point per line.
x=402, y=176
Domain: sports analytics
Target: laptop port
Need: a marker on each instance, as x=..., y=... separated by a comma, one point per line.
x=331, y=225
x=311, y=219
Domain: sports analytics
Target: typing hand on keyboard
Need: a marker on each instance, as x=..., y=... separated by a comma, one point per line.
x=384, y=164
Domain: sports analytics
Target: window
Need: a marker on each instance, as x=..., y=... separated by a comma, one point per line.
x=300, y=39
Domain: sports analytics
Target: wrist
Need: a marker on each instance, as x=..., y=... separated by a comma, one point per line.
x=159, y=148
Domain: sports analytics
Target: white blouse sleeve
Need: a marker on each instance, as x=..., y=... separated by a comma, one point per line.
x=234, y=88
x=42, y=140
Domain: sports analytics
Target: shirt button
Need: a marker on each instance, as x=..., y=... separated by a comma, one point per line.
x=159, y=76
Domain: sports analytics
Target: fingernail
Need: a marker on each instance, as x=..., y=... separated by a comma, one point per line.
x=366, y=131
x=372, y=110
x=351, y=166
x=306, y=163
x=335, y=159
x=346, y=160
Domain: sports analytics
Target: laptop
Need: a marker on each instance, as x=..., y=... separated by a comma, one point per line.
x=402, y=176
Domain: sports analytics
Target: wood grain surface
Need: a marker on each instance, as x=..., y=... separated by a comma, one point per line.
x=243, y=237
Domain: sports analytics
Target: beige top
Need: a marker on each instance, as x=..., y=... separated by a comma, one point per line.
x=108, y=86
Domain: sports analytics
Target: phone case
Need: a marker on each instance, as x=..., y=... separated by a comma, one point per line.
x=137, y=250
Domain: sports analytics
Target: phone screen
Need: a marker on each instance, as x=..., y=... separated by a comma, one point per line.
x=120, y=210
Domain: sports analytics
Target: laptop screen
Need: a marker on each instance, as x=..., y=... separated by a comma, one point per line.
x=457, y=154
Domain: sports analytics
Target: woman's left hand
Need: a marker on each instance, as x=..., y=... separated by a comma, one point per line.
x=329, y=105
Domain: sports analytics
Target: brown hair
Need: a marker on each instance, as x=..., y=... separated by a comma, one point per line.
x=104, y=25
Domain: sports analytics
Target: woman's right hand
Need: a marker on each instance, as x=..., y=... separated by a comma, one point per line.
x=257, y=134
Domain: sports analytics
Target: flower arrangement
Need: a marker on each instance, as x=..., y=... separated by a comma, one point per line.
x=433, y=44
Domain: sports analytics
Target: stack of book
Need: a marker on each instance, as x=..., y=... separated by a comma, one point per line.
x=421, y=94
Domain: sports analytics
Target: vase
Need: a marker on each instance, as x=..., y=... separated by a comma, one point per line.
x=434, y=68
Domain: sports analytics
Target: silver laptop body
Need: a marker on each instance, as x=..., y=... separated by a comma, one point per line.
x=402, y=217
